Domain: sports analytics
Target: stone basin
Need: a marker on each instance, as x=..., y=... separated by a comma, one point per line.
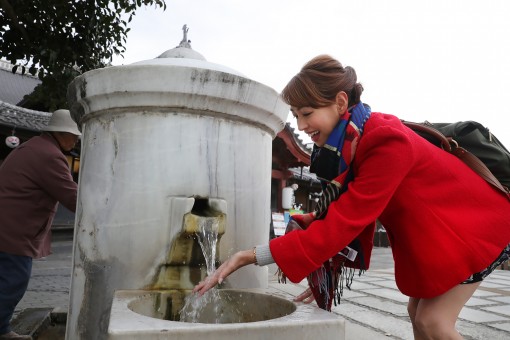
x=247, y=313
x=232, y=306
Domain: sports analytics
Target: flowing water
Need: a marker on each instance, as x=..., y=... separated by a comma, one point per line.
x=208, y=238
x=195, y=306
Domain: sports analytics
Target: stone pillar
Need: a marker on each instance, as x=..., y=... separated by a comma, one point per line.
x=154, y=130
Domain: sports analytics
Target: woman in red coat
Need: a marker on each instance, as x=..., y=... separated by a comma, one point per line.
x=448, y=228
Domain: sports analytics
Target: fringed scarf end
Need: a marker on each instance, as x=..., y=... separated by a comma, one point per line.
x=281, y=276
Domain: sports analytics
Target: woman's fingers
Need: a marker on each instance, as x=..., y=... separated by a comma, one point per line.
x=199, y=286
x=240, y=259
x=209, y=282
x=309, y=299
x=205, y=285
x=215, y=278
x=305, y=297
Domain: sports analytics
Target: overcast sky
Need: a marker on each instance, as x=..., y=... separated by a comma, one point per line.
x=436, y=60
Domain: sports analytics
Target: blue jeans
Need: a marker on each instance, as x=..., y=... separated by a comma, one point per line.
x=14, y=276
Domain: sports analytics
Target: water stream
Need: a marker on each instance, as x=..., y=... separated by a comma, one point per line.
x=195, y=306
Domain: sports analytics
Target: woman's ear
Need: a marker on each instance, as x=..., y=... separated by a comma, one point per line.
x=342, y=102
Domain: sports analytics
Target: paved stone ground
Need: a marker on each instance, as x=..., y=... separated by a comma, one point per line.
x=51, y=279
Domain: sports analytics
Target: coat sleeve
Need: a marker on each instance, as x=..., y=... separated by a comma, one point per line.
x=57, y=181
x=384, y=156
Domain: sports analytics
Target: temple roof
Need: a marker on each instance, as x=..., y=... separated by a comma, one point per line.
x=15, y=85
x=16, y=116
x=290, y=149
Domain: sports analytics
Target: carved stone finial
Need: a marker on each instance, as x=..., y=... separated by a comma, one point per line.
x=185, y=42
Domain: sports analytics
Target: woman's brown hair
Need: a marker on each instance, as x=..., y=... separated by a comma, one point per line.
x=318, y=83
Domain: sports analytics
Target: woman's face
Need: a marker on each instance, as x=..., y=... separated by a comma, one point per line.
x=319, y=123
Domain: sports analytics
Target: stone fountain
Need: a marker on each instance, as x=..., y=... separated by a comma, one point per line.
x=167, y=144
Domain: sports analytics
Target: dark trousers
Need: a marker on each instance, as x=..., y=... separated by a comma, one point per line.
x=14, y=276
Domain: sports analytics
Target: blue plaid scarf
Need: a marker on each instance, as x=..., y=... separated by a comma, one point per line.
x=332, y=165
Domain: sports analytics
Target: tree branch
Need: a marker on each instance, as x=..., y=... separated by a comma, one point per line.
x=12, y=15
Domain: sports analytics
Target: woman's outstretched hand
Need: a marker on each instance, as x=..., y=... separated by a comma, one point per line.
x=305, y=297
x=238, y=260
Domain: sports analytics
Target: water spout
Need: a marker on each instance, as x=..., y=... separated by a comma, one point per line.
x=185, y=264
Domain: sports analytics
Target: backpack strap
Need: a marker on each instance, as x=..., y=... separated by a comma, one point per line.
x=444, y=142
x=479, y=167
x=450, y=145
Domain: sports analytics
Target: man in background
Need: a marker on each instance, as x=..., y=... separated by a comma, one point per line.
x=34, y=178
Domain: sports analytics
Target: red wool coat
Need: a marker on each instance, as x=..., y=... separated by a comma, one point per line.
x=33, y=179
x=444, y=222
